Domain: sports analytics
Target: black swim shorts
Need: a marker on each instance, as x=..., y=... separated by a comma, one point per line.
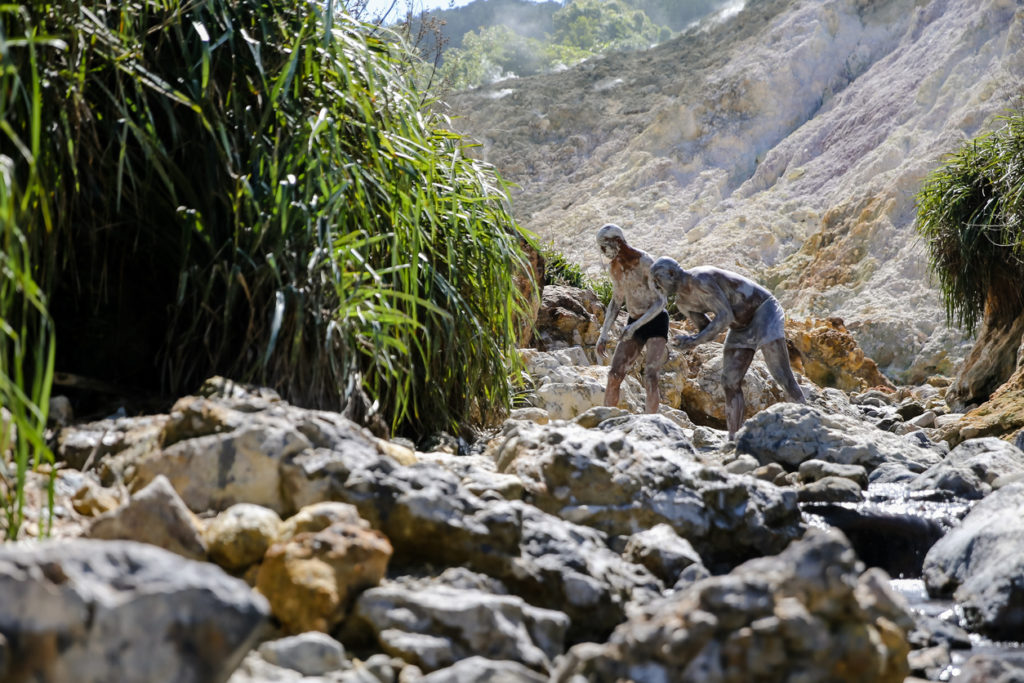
x=655, y=327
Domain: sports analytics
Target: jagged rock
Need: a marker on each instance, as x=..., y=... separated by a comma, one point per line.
x=811, y=610
x=99, y=611
x=971, y=468
x=433, y=625
x=155, y=514
x=429, y=517
x=229, y=449
x=311, y=654
x=790, y=433
x=311, y=579
x=621, y=481
x=980, y=564
x=662, y=551
x=568, y=316
x=830, y=357
x=239, y=537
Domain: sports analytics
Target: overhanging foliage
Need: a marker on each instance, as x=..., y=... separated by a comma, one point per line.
x=970, y=213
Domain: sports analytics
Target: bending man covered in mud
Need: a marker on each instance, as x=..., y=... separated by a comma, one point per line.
x=753, y=316
x=648, y=322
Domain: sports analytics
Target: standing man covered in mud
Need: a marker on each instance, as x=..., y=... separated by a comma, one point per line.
x=753, y=316
x=648, y=323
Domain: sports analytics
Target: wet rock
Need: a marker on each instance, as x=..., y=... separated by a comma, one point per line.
x=239, y=537
x=311, y=579
x=808, y=609
x=432, y=625
x=97, y=611
x=980, y=564
x=813, y=470
x=662, y=551
x=971, y=468
x=992, y=667
x=830, y=490
x=156, y=515
x=790, y=433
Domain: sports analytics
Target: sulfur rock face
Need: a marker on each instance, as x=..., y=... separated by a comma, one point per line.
x=786, y=142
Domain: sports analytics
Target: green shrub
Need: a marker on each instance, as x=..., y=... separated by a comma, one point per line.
x=254, y=189
x=558, y=270
x=970, y=213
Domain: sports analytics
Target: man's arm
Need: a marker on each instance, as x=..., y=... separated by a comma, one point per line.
x=713, y=299
x=657, y=307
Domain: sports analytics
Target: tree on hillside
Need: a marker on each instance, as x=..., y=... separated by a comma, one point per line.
x=598, y=25
x=970, y=213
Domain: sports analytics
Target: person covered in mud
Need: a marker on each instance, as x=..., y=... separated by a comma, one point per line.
x=753, y=316
x=647, y=326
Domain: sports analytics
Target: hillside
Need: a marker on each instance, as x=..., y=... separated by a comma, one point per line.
x=786, y=142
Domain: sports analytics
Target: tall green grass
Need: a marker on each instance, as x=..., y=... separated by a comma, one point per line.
x=26, y=328
x=249, y=188
x=970, y=213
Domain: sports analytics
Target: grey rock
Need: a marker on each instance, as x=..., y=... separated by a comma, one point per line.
x=831, y=490
x=435, y=626
x=972, y=467
x=123, y=611
x=311, y=654
x=813, y=470
x=157, y=515
x=980, y=564
x=662, y=551
x=790, y=433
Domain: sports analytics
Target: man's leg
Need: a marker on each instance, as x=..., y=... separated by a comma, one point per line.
x=625, y=355
x=735, y=362
x=776, y=357
x=656, y=356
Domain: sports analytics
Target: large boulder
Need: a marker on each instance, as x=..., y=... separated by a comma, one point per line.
x=790, y=433
x=809, y=613
x=970, y=469
x=100, y=611
x=980, y=563
x=829, y=356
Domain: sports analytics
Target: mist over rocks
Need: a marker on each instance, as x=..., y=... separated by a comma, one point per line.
x=787, y=143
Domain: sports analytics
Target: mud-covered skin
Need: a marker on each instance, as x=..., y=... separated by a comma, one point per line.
x=733, y=302
x=630, y=271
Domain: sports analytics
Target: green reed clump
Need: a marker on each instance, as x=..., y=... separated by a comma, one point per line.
x=26, y=328
x=970, y=213
x=254, y=189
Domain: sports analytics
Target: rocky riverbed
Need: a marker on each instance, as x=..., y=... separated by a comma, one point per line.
x=236, y=537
